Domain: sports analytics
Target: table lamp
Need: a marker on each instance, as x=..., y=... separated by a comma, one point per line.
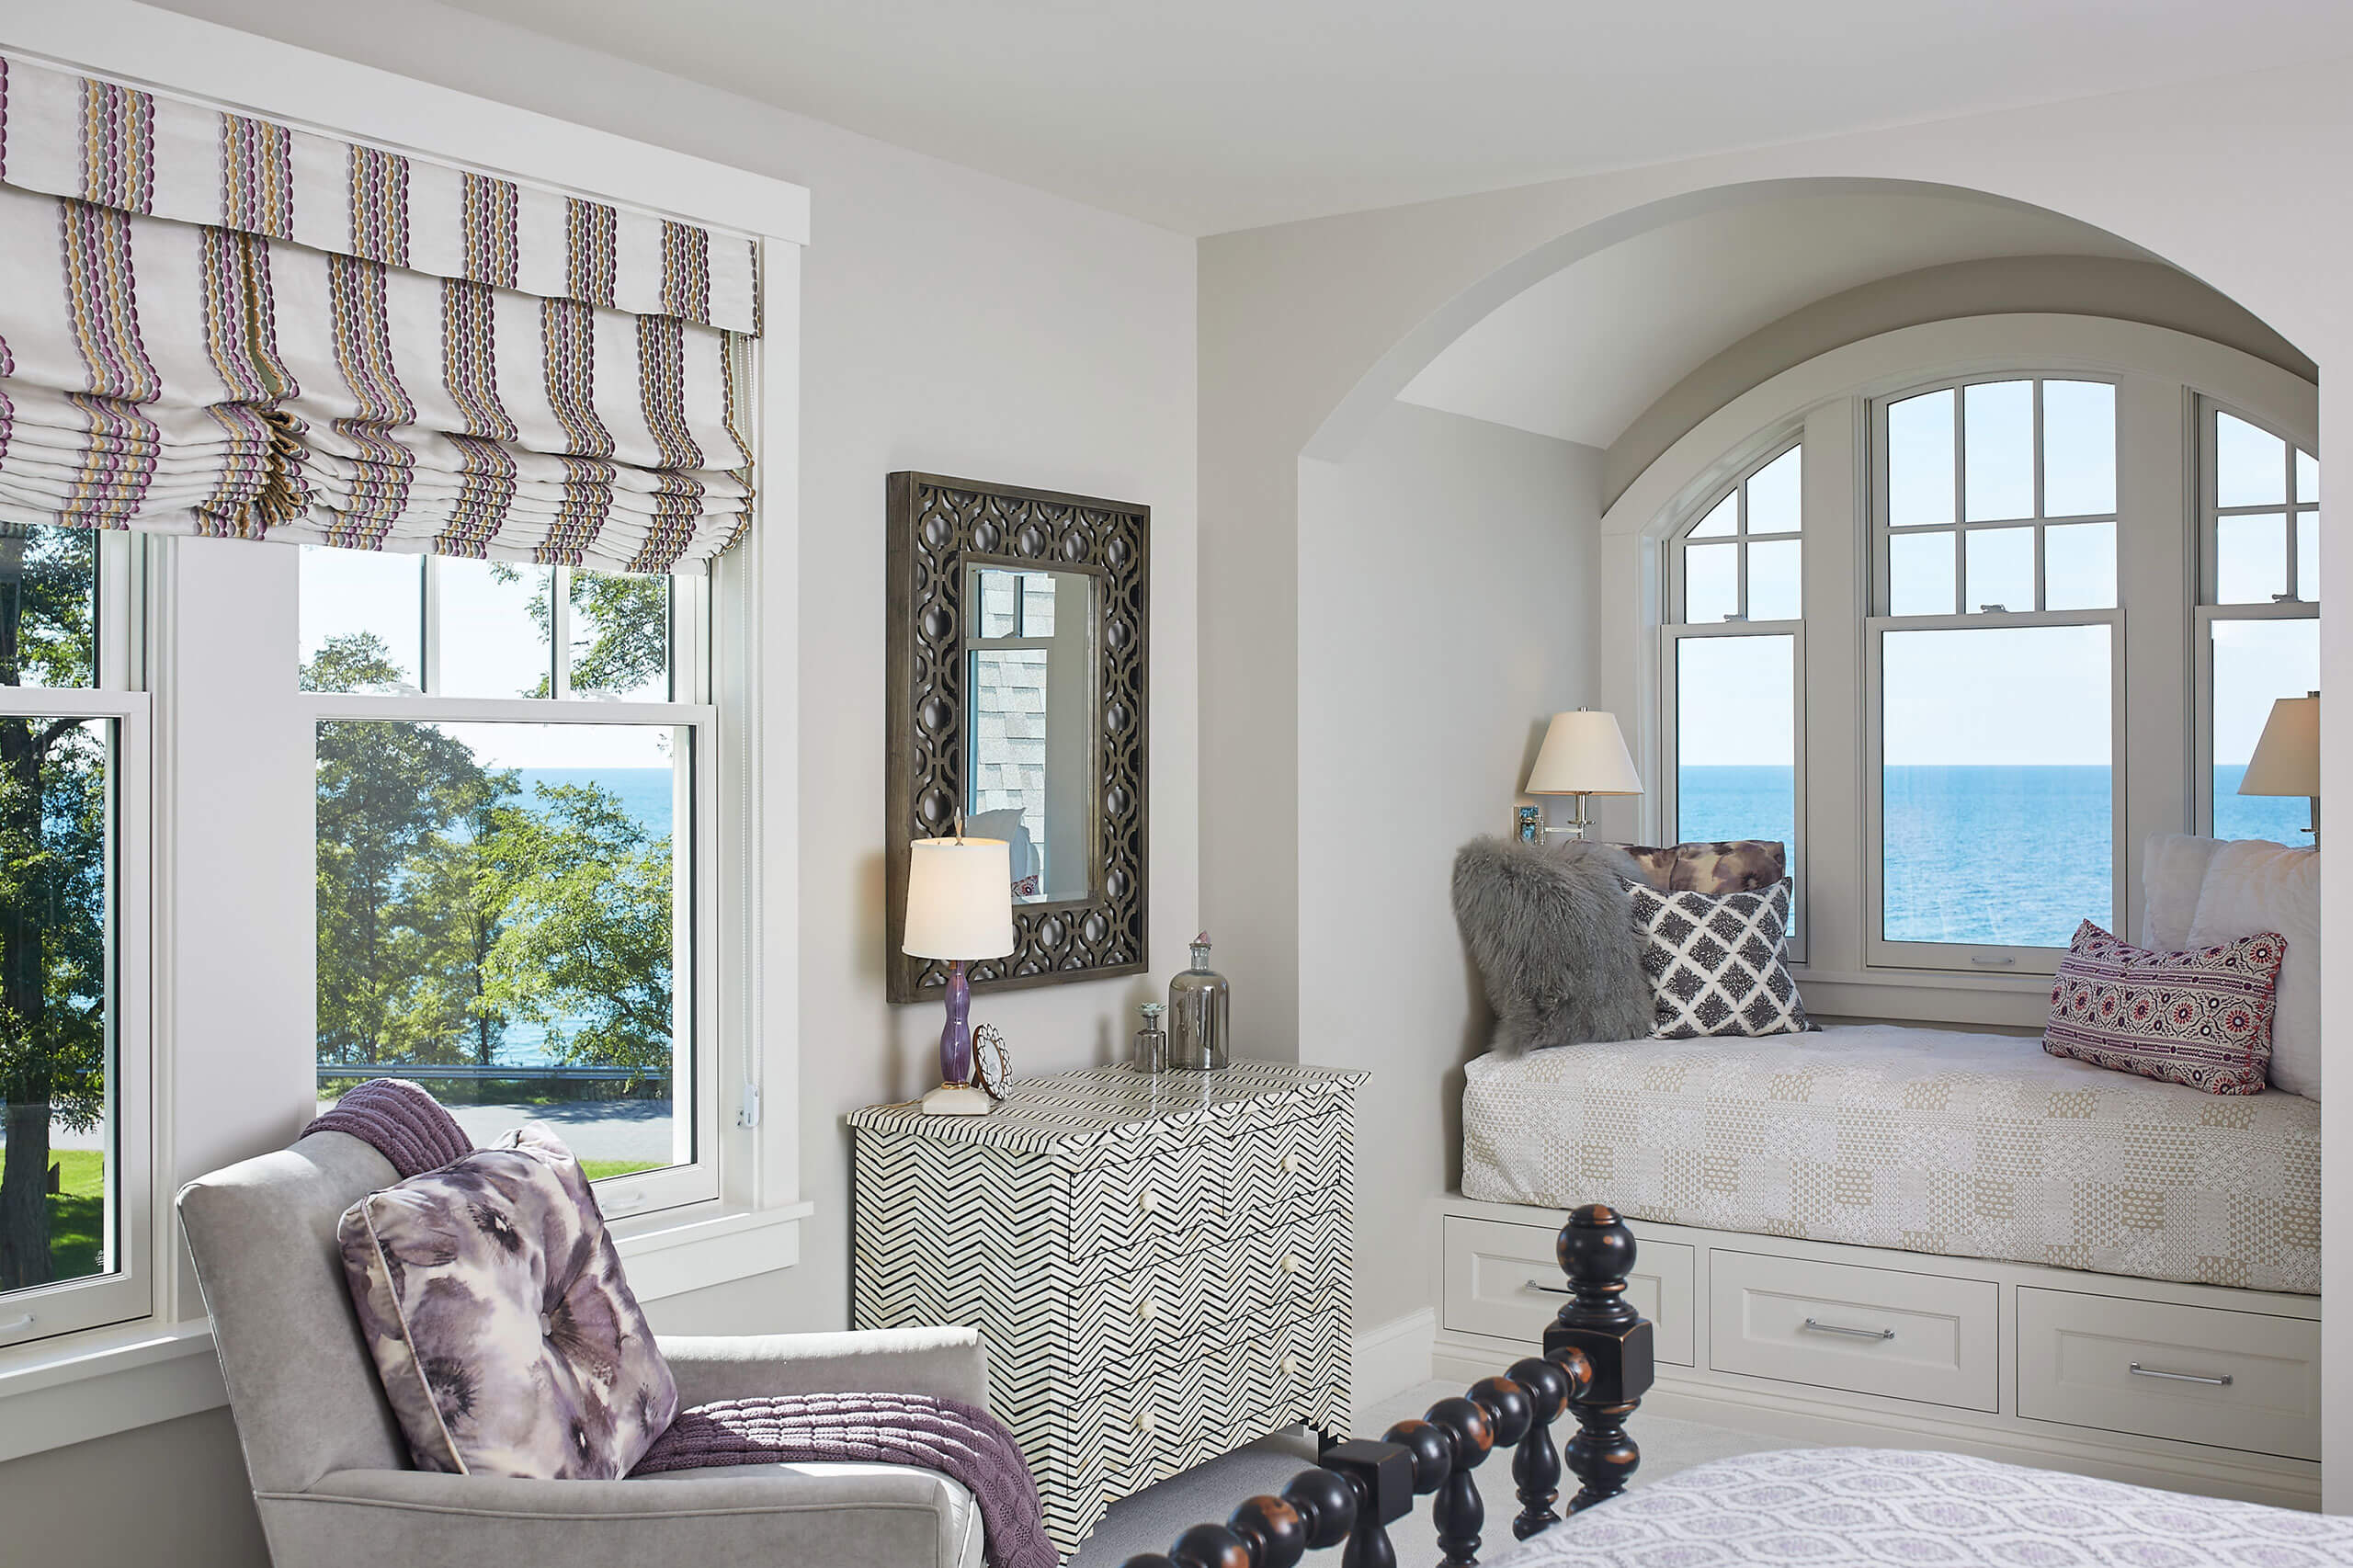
x=2287, y=758
x=1583, y=756
x=959, y=907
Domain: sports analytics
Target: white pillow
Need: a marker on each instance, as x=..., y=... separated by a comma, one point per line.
x=2254, y=886
x=2173, y=869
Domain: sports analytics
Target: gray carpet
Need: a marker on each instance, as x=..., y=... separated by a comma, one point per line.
x=1155, y=1517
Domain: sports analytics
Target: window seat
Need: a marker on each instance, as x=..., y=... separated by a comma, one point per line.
x=1926, y=1141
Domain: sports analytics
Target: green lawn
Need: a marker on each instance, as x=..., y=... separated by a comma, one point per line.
x=599, y=1169
x=77, y=1212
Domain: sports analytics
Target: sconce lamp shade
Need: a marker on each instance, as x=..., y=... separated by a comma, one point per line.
x=2287, y=759
x=1583, y=753
x=960, y=899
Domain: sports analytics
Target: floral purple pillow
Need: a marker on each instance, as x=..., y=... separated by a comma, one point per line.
x=493, y=1302
x=1739, y=865
x=2202, y=1017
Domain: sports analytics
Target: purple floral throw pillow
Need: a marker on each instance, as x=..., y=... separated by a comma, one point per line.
x=493, y=1302
x=2202, y=1018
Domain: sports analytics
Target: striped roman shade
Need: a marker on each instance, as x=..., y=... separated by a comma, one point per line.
x=215, y=324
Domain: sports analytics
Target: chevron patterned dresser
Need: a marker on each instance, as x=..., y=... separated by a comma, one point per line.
x=1161, y=1266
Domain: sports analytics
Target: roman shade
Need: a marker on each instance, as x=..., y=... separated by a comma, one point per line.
x=216, y=324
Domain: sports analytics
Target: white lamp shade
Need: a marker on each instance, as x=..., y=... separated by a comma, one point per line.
x=960, y=899
x=1582, y=753
x=2287, y=759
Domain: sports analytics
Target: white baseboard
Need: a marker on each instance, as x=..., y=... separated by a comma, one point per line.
x=1393, y=1358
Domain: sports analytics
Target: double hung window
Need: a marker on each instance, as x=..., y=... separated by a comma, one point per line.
x=1994, y=662
x=515, y=902
x=75, y=1197
x=1735, y=656
x=2258, y=612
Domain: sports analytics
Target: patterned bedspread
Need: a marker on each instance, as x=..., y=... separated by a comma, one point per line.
x=1837, y=1507
x=1971, y=1145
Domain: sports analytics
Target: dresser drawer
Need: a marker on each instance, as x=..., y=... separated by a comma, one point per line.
x=2248, y=1381
x=1265, y=1171
x=1288, y=1271
x=1880, y=1330
x=1177, y=1413
x=1504, y=1281
x=1169, y=1203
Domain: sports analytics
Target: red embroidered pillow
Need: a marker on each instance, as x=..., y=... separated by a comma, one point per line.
x=2202, y=1018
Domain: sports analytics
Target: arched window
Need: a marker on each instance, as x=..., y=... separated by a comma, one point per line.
x=2258, y=613
x=1963, y=613
x=1735, y=652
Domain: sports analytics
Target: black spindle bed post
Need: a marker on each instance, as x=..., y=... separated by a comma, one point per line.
x=1596, y=1365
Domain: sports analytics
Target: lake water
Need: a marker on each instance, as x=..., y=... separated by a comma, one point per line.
x=1983, y=855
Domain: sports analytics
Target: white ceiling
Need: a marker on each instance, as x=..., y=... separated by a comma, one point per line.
x=1581, y=353
x=1209, y=115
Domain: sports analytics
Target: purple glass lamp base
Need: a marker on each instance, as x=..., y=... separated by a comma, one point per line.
x=955, y=1038
x=957, y=1095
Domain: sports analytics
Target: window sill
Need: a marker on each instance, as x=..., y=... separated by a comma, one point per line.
x=105, y=1380
x=2002, y=1002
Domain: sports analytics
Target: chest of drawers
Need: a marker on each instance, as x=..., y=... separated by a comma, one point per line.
x=1161, y=1267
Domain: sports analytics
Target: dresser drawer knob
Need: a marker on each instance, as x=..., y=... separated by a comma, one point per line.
x=1143, y=1422
x=1291, y=1164
x=1147, y=1309
x=1289, y=1365
x=1148, y=1200
x=1290, y=1263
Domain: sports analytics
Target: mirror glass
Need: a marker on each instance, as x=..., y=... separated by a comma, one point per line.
x=1029, y=724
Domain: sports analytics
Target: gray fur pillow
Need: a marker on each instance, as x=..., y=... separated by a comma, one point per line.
x=1553, y=933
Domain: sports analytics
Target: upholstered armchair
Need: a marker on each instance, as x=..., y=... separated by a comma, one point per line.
x=330, y=1471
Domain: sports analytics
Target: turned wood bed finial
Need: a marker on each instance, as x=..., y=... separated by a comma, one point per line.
x=1597, y=1364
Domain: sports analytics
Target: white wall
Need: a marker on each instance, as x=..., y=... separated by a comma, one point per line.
x=1444, y=601
x=1310, y=329
x=954, y=323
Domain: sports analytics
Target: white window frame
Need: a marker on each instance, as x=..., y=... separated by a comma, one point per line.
x=1672, y=634
x=225, y=1087
x=1879, y=950
x=125, y=1293
x=1830, y=396
x=2208, y=609
x=696, y=1081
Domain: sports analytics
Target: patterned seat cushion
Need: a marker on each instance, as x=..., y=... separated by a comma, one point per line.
x=1716, y=963
x=1847, y=1507
x=1931, y=1141
x=2202, y=1017
x=493, y=1302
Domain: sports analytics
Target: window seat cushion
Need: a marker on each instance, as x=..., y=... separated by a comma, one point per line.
x=1933, y=1141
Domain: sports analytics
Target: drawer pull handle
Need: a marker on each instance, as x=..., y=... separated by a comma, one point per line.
x=2223, y=1381
x=1148, y=1200
x=1143, y=1422
x=1290, y=1263
x=1146, y=1310
x=1820, y=1327
x=1289, y=1365
x=1291, y=1164
x=1548, y=1290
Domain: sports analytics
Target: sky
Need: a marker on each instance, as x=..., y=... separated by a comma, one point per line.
x=489, y=647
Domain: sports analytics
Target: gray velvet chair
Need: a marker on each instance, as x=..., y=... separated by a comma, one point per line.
x=330, y=1471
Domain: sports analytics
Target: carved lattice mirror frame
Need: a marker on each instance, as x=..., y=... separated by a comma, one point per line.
x=937, y=527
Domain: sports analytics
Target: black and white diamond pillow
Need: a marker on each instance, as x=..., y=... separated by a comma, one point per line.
x=1715, y=961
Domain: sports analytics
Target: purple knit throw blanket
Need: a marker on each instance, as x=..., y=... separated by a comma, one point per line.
x=402, y=1122
x=962, y=1441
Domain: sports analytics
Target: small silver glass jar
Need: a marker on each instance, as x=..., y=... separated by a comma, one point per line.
x=1197, y=1039
x=1151, y=1042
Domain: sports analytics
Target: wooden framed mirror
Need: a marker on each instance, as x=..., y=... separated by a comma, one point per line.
x=1019, y=689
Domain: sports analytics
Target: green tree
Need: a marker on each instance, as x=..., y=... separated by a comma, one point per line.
x=53, y=830
x=627, y=622
x=586, y=950
x=392, y=797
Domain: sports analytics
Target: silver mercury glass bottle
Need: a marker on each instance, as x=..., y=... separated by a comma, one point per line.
x=1151, y=1042
x=1197, y=1039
